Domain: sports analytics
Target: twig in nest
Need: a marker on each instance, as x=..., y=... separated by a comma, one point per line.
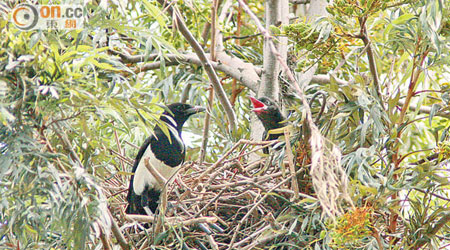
x=162, y=182
x=212, y=242
x=291, y=162
x=171, y=220
x=210, y=202
x=238, y=227
x=218, y=162
x=122, y=157
x=118, y=234
x=263, y=240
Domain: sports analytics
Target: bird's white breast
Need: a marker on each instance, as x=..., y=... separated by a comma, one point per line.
x=143, y=177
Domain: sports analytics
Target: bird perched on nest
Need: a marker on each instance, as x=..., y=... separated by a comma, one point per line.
x=270, y=115
x=165, y=156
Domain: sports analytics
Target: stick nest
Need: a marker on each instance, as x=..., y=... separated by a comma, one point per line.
x=231, y=204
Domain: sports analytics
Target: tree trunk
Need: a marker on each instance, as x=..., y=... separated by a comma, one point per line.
x=276, y=14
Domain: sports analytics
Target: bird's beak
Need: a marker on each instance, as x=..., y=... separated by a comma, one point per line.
x=195, y=110
x=257, y=105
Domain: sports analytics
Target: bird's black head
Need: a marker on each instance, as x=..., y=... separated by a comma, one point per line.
x=268, y=112
x=180, y=112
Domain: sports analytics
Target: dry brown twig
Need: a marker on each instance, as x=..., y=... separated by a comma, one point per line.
x=162, y=182
x=171, y=220
x=291, y=162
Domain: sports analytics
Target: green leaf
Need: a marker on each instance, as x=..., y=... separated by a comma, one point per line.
x=434, y=108
x=156, y=13
x=397, y=22
x=34, y=39
x=106, y=66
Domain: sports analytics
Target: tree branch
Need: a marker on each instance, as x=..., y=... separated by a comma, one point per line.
x=241, y=37
x=171, y=220
x=207, y=120
x=220, y=92
x=234, y=67
x=269, y=81
x=300, y=1
x=370, y=57
x=118, y=234
x=441, y=223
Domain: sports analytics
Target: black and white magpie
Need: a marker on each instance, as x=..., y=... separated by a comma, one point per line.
x=165, y=155
x=270, y=116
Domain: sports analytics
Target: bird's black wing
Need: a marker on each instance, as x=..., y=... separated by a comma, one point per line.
x=134, y=200
x=169, y=154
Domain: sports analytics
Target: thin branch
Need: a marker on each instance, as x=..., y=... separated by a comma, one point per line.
x=416, y=71
x=222, y=19
x=171, y=220
x=210, y=202
x=370, y=56
x=105, y=241
x=206, y=125
x=207, y=120
x=252, y=236
x=433, y=194
x=300, y=1
x=291, y=162
x=119, y=149
x=320, y=59
x=403, y=157
x=118, y=234
x=441, y=223
x=241, y=37
x=66, y=143
x=51, y=149
x=326, y=79
x=218, y=162
x=377, y=237
x=263, y=240
x=426, y=159
x=162, y=182
x=212, y=242
x=64, y=119
x=185, y=92
x=141, y=58
x=234, y=67
x=159, y=178
x=238, y=227
x=220, y=92
x=122, y=157
x=214, y=7
x=205, y=33
x=425, y=109
x=412, y=85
